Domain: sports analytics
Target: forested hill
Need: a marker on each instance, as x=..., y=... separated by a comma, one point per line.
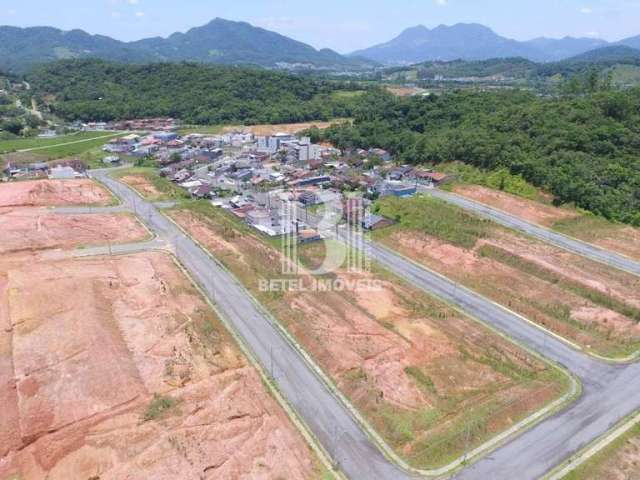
x=91, y=90
x=583, y=149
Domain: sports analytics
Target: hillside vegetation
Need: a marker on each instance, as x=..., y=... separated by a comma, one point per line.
x=91, y=90
x=583, y=149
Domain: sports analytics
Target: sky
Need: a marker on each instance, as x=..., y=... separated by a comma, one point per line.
x=343, y=25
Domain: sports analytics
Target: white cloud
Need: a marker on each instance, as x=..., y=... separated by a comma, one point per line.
x=139, y=14
x=11, y=11
x=133, y=2
x=586, y=10
x=441, y=2
x=116, y=14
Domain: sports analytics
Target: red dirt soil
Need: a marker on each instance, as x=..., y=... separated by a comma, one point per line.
x=529, y=210
x=530, y=295
x=143, y=185
x=366, y=340
x=54, y=193
x=84, y=345
x=37, y=228
x=618, y=238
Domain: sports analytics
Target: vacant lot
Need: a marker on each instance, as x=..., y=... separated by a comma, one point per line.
x=591, y=304
x=37, y=228
x=116, y=368
x=618, y=461
x=54, y=193
x=47, y=143
x=599, y=231
x=430, y=380
x=150, y=185
x=291, y=128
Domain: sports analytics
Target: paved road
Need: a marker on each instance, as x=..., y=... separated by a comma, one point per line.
x=324, y=414
x=555, y=238
x=610, y=392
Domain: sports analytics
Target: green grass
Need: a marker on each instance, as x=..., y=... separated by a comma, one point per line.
x=421, y=379
x=500, y=179
x=434, y=217
x=531, y=268
x=339, y=94
x=592, y=469
x=587, y=227
x=159, y=406
x=49, y=144
x=168, y=190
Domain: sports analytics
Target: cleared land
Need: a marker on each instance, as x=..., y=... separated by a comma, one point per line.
x=116, y=367
x=430, y=380
x=46, y=143
x=54, y=193
x=599, y=231
x=593, y=305
x=36, y=229
x=150, y=185
x=284, y=128
x=130, y=376
x=618, y=461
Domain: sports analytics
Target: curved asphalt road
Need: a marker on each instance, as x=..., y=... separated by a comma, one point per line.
x=541, y=233
x=610, y=393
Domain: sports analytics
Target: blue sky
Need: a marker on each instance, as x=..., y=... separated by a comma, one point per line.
x=344, y=25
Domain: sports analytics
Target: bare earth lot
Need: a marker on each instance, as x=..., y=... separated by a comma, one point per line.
x=591, y=304
x=291, y=128
x=116, y=367
x=84, y=347
x=616, y=237
x=143, y=185
x=429, y=379
x=53, y=193
x=39, y=228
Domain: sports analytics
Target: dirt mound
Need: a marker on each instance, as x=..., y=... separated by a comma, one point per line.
x=116, y=368
x=53, y=193
x=143, y=185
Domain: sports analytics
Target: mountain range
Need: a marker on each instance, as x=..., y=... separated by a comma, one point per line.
x=228, y=42
x=220, y=41
x=476, y=42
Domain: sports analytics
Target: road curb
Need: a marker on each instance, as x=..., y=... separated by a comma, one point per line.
x=388, y=452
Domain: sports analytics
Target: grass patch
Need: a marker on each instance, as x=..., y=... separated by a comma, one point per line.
x=54, y=148
x=586, y=227
x=500, y=179
x=531, y=268
x=159, y=406
x=421, y=379
x=434, y=217
x=595, y=467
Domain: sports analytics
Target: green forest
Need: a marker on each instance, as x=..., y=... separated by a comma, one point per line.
x=584, y=149
x=94, y=90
